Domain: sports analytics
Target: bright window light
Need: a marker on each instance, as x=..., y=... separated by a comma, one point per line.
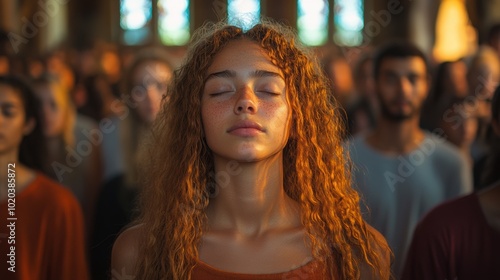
x=455, y=36
x=349, y=22
x=312, y=21
x=134, y=18
x=243, y=13
x=173, y=22
x=135, y=14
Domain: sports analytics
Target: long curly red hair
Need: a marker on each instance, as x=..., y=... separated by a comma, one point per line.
x=316, y=167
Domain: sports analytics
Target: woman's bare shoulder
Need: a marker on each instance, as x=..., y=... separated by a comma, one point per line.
x=378, y=238
x=380, y=246
x=126, y=251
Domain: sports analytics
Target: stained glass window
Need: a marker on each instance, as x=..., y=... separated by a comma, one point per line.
x=312, y=21
x=173, y=22
x=134, y=18
x=348, y=20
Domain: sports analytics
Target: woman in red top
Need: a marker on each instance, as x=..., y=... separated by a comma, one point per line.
x=246, y=175
x=41, y=232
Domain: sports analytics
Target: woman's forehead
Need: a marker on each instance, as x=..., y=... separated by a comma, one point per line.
x=242, y=53
x=10, y=94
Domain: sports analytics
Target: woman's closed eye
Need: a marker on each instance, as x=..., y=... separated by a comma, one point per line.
x=270, y=86
x=270, y=92
x=220, y=92
x=215, y=87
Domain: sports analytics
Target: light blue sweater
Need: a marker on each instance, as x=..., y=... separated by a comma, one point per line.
x=396, y=191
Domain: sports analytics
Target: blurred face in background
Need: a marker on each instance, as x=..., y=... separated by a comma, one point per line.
x=36, y=68
x=456, y=82
x=150, y=80
x=484, y=76
x=54, y=109
x=13, y=124
x=402, y=87
x=483, y=88
x=342, y=80
x=57, y=66
x=111, y=65
x=461, y=132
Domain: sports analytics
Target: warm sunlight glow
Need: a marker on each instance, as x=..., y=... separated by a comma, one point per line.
x=455, y=37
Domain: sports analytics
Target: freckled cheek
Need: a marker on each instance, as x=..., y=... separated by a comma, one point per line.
x=279, y=112
x=213, y=117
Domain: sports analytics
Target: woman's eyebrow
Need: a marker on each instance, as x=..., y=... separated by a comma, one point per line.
x=266, y=73
x=221, y=74
x=8, y=105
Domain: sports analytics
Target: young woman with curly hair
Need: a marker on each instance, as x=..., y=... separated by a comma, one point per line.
x=246, y=174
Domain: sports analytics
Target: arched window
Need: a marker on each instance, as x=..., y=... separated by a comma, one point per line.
x=349, y=23
x=318, y=21
x=173, y=21
x=342, y=19
x=135, y=16
x=312, y=21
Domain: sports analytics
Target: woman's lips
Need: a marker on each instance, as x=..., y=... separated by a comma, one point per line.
x=246, y=128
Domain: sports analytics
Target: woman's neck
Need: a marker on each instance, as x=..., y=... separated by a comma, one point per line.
x=250, y=197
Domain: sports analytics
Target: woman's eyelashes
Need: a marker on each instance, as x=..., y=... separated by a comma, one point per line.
x=260, y=90
x=270, y=87
x=263, y=87
x=221, y=92
x=269, y=92
x=257, y=92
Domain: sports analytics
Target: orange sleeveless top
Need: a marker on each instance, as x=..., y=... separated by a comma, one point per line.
x=311, y=271
x=49, y=234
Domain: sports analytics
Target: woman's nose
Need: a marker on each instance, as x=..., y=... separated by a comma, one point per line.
x=246, y=102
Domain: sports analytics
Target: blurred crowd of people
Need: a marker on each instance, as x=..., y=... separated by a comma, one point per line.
x=83, y=114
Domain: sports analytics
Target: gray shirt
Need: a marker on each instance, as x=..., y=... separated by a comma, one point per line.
x=396, y=191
